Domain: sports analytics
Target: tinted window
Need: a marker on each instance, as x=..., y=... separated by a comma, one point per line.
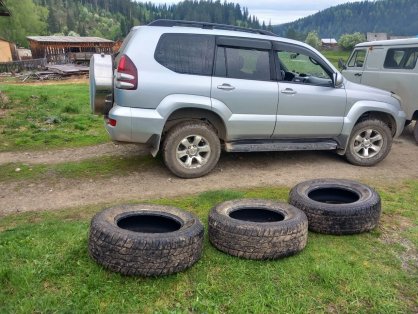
x=401, y=58
x=186, y=53
x=247, y=64
x=357, y=60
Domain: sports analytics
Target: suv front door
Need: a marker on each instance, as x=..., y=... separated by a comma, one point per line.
x=309, y=104
x=243, y=81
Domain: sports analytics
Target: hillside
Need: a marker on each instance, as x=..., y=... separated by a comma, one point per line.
x=110, y=19
x=397, y=17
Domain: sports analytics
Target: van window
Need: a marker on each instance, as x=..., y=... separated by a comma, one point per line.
x=239, y=63
x=186, y=53
x=357, y=59
x=411, y=62
x=401, y=58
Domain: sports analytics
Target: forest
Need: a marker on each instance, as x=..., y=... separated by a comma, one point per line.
x=396, y=17
x=111, y=19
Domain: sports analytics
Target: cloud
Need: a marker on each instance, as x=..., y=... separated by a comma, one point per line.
x=279, y=11
x=291, y=5
x=279, y=17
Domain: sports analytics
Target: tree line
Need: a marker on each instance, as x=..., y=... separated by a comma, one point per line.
x=112, y=19
x=396, y=17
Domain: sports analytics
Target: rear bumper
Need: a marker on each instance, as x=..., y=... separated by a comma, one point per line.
x=134, y=125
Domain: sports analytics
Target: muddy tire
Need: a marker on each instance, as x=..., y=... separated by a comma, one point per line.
x=369, y=143
x=337, y=206
x=145, y=240
x=258, y=229
x=416, y=131
x=191, y=149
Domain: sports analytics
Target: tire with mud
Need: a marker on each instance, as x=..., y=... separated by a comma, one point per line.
x=369, y=143
x=258, y=229
x=416, y=131
x=336, y=206
x=145, y=240
x=191, y=149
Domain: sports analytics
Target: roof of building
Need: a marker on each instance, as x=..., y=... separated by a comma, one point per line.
x=4, y=39
x=68, y=39
x=3, y=10
x=329, y=41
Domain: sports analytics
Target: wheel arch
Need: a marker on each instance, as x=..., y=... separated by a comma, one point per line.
x=184, y=114
x=385, y=117
x=364, y=110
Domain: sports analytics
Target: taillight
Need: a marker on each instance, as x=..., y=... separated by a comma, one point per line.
x=111, y=122
x=127, y=74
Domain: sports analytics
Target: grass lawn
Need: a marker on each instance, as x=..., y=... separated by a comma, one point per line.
x=333, y=56
x=45, y=267
x=36, y=117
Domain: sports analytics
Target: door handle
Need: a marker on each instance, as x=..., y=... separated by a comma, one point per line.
x=288, y=91
x=358, y=74
x=225, y=86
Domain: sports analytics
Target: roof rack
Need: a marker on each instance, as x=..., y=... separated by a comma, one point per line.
x=206, y=25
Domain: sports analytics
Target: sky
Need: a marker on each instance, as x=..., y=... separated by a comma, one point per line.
x=279, y=11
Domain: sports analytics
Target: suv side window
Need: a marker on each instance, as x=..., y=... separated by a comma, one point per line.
x=186, y=53
x=240, y=63
x=357, y=59
x=299, y=67
x=401, y=58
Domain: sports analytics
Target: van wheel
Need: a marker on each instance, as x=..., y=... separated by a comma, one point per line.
x=191, y=149
x=416, y=131
x=369, y=143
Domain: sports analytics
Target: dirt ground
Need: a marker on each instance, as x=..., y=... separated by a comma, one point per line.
x=233, y=171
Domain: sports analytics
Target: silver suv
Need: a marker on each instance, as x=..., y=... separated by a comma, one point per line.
x=191, y=89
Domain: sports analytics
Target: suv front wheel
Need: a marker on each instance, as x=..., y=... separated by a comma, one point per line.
x=191, y=149
x=369, y=143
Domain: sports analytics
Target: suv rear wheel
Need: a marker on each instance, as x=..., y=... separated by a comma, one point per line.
x=191, y=149
x=369, y=143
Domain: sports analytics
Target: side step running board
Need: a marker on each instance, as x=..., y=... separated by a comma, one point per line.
x=279, y=145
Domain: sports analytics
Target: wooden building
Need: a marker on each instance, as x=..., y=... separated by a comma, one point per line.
x=7, y=51
x=61, y=49
x=3, y=10
x=329, y=43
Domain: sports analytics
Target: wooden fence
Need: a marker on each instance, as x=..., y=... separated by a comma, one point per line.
x=25, y=65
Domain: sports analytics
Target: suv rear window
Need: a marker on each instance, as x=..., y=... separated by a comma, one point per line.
x=186, y=53
x=247, y=64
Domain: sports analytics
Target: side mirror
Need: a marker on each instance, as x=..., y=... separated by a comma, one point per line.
x=338, y=79
x=341, y=64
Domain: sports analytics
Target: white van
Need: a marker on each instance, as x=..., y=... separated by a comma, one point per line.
x=390, y=65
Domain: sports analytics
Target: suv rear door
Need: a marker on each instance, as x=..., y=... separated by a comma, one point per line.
x=244, y=81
